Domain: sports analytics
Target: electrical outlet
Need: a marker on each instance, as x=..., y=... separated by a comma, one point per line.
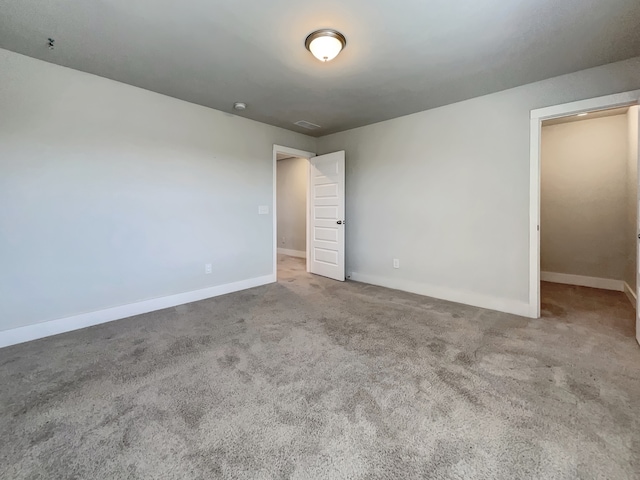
x=263, y=210
x=396, y=263
x=207, y=268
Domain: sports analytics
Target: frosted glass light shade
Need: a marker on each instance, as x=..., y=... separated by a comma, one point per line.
x=325, y=48
x=325, y=45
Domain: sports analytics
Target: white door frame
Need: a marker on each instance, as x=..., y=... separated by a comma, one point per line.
x=294, y=153
x=537, y=116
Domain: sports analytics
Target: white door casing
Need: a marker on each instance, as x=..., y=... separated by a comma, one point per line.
x=293, y=152
x=537, y=116
x=637, y=140
x=326, y=211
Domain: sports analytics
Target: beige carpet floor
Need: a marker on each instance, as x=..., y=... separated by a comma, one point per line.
x=314, y=379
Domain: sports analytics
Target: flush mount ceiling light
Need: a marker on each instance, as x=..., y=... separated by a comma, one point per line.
x=325, y=44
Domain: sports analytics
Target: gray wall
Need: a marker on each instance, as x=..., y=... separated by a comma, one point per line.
x=447, y=190
x=631, y=246
x=292, y=176
x=111, y=194
x=583, y=197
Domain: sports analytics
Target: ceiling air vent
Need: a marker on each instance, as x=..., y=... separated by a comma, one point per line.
x=307, y=125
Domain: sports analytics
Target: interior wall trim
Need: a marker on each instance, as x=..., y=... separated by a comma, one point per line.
x=631, y=294
x=467, y=298
x=83, y=320
x=292, y=253
x=583, y=281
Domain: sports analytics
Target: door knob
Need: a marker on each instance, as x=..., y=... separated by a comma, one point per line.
x=340, y=222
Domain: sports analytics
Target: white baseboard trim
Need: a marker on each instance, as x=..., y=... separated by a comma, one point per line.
x=631, y=294
x=62, y=325
x=474, y=299
x=292, y=253
x=583, y=281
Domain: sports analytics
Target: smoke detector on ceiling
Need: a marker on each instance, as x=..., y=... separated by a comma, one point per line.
x=240, y=106
x=307, y=125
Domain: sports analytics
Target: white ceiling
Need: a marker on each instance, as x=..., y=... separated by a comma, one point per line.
x=401, y=56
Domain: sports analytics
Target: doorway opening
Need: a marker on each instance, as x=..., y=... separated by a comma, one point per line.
x=290, y=206
x=584, y=210
x=324, y=209
x=292, y=175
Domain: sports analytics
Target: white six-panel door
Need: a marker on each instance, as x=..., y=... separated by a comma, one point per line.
x=326, y=209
